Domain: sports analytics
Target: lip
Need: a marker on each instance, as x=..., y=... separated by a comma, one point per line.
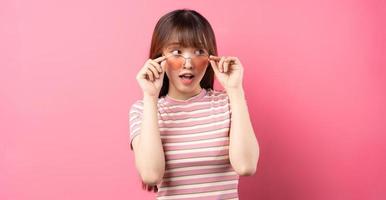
x=186, y=81
x=184, y=73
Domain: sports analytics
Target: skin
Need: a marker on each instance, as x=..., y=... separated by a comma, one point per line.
x=243, y=146
x=148, y=149
x=177, y=89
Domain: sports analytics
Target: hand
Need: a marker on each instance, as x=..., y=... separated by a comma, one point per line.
x=151, y=76
x=228, y=70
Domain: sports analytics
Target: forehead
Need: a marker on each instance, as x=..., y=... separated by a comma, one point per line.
x=179, y=44
x=182, y=39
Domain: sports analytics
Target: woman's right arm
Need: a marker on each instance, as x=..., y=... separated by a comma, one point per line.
x=147, y=146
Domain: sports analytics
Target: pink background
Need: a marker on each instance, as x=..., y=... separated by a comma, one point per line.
x=315, y=81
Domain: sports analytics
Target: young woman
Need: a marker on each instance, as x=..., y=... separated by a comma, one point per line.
x=189, y=140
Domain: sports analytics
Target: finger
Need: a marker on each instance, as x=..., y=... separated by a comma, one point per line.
x=150, y=75
x=227, y=61
x=163, y=66
x=214, y=58
x=163, y=70
x=159, y=59
x=154, y=70
x=158, y=66
x=221, y=64
x=233, y=60
x=143, y=72
x=214, y=66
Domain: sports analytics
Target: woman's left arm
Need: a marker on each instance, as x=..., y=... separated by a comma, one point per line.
x=243, y=145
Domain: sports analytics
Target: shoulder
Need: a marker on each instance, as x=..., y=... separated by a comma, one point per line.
x=215, y=94
x=137, y=105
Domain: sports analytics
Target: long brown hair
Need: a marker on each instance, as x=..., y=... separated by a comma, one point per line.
x=191, y=30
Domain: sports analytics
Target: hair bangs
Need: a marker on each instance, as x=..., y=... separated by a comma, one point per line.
x=188, y=35
x=187, y=29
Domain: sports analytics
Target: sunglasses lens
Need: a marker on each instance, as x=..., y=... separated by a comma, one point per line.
x=200, y=61
x=176, y=62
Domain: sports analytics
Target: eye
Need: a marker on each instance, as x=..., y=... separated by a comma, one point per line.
x=175, y=52
x=200, y=52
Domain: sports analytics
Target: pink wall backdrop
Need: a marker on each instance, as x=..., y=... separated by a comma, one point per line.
x=315, y=82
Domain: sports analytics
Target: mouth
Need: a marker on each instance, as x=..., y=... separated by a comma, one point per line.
x=186, y=76
x=186, y=79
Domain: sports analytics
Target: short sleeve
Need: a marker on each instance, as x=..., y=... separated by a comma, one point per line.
x=229, y=106
x=226, y=97
x=135, y=119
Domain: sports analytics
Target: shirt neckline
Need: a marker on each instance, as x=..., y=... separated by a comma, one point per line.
x=191, y=99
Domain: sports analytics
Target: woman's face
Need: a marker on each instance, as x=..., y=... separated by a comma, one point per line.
x=185, y=67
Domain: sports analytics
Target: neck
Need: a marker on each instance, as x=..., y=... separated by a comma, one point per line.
x=181, y=95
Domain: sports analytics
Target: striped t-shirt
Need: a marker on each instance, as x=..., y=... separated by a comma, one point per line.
x=195, y=138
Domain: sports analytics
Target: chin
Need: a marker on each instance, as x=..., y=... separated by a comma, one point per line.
x=187, y=89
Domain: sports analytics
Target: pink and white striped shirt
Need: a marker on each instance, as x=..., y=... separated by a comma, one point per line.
x=195, y=138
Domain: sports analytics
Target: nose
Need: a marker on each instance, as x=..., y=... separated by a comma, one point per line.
x=188, y=63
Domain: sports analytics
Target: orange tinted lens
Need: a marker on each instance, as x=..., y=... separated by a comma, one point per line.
x=200, y=61
x=175, y=62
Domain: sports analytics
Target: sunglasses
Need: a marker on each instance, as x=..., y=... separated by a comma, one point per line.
x=178, y=59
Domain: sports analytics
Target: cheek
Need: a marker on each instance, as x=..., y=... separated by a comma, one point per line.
x=201, y=65
x=174, y=65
